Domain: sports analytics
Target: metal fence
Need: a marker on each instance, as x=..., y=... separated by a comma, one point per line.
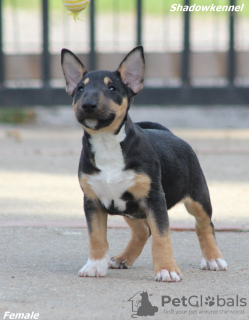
x=183, y=93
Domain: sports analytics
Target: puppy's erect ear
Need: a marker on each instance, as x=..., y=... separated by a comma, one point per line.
x=131, y=69
x=73, y=70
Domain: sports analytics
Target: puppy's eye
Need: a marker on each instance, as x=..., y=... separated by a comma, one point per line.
x=80, y=88
x=112, y=88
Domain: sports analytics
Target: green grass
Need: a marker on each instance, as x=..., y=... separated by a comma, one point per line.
x=156, y=7
x=16, y=115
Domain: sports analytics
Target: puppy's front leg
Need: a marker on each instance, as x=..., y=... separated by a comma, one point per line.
x=97, y=263
x=165, y=267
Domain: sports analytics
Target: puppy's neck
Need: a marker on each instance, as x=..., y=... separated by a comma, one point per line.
x=119, y=135
x=107, y=137
x=106, y=150
x=109, y=146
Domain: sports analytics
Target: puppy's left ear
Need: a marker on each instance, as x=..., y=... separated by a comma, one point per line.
x=131, y=69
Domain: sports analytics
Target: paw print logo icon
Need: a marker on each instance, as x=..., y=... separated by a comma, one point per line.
x=209, y=301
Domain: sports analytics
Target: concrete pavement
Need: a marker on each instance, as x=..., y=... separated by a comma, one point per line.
x=43, y=246
x=39, y=273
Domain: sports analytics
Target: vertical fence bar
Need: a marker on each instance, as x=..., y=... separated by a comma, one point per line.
x=92, y=52
x=45, y=44
x=186, y=46
x=231, y=68
x=2, y=71
x=116, y=20
x=139, y=22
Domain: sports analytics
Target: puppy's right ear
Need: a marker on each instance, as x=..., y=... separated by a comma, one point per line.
x=73, y=70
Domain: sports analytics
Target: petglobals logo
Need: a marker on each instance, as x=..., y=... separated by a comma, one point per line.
x=144, y=304
x=200, y=301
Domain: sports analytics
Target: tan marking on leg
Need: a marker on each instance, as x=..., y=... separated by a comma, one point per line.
x=87, y=189
x=162, y=251
x=141, y=187
x=98, y=235
x=86, y=81
x=203, y=229
x=139, y=235
x=107, y=80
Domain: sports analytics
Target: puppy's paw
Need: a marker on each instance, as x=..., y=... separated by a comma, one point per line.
x=94, y=268
x=168, y=276
x=117, y=263
x=214, y=264
x=169, y=273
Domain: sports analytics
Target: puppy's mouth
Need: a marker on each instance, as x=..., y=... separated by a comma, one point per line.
x=90, y=123
x=96, y=123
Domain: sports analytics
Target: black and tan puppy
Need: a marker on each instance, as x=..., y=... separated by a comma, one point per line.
x=137, y=170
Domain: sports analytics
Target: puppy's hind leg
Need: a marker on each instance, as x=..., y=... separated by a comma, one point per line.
x=140, y=233
x=202, y=211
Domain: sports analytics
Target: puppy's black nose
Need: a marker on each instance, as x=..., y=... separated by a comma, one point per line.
x=89, y=106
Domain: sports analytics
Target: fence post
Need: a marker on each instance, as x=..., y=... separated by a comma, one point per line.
x=186, y=46
x=45, y=44
x=139, y=22
x=92, y=53
x=2, y=69
x=231, y=67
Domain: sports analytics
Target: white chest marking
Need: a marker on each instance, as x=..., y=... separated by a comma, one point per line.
x=112, y=181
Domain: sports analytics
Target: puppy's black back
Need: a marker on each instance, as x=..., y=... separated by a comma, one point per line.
x=180, y=168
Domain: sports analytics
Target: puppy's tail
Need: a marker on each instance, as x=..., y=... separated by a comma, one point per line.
x=151, y=125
